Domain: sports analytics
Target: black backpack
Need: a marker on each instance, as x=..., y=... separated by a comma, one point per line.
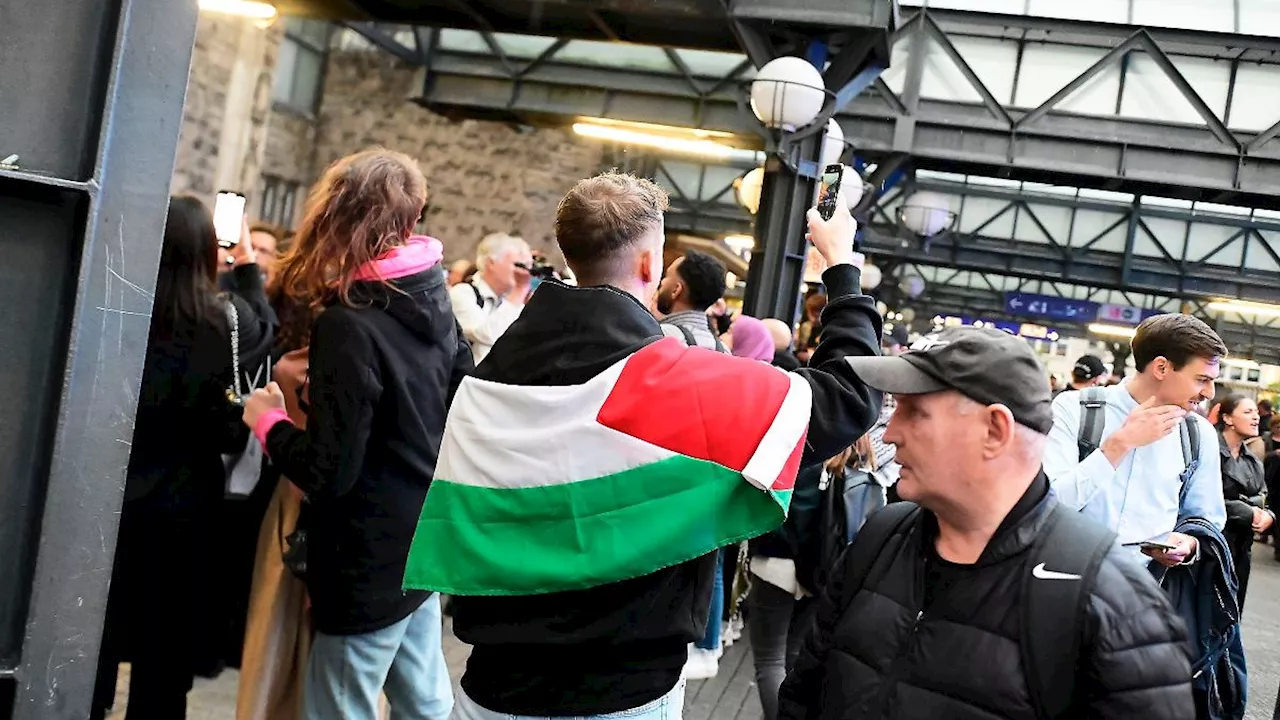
x=1092, y=420
x=1053, y=611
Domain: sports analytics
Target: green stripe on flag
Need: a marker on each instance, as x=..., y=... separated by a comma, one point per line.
x=528, y=541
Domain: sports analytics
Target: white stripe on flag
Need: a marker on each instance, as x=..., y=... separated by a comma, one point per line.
x=514, y=436
x=782, y=436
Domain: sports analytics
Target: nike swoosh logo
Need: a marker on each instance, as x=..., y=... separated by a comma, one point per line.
x=1040, y=573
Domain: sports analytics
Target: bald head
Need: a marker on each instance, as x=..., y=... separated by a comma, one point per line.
x=780, y=333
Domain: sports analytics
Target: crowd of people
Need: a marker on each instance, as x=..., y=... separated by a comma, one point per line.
x=607, y=477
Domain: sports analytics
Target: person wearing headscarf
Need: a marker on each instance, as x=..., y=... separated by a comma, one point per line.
x=783, y=357
x=751, y=339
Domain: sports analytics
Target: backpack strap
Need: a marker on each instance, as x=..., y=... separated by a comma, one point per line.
x=689, y=339
x=1061, y=571
x=1189, y=434
x=883, y=524
x=479, y=297
x=1093, y=401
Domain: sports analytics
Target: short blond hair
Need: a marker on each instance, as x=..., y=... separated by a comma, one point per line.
x=604, y=215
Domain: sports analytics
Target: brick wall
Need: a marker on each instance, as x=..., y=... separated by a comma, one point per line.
x=483, y=176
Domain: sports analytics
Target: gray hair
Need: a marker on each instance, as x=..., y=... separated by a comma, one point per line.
x=495, y=245
x=1030, y=443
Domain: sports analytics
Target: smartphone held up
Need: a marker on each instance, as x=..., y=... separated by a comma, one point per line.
x=829, y=190
x=228, y=218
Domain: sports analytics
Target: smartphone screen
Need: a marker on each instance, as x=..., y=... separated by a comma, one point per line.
x=228, y=217
x=829, y=190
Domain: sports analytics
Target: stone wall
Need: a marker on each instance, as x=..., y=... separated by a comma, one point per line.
x=483, y=176
x=226, y=117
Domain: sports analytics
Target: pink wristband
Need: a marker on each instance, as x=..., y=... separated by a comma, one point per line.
x=268, y=420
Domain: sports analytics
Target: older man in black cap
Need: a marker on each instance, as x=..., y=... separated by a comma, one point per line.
x=987, y=599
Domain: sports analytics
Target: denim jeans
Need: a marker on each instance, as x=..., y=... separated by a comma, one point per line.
x=667, y=707
x=711, y=639
x=345, y=673
x=777, y=629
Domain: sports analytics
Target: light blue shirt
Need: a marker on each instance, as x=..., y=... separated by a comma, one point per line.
x=1139, y=499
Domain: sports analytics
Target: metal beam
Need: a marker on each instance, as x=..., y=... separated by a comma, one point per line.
x=113, y=231
x=375, y=34
x=1137, y=156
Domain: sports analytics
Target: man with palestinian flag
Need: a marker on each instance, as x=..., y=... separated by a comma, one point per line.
x=590, y=469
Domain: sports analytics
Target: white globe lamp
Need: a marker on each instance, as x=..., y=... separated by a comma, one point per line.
x=832, y=144
x=927, y=213
x=871, y=276
x=787, y=93
x=748, y=188
x=853, y=187
x=912, y=286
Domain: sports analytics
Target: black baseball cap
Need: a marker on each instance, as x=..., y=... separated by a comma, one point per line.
x=1088, y=367
x=986, y=365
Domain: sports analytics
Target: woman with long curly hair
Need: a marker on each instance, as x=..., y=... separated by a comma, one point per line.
x=385, y=359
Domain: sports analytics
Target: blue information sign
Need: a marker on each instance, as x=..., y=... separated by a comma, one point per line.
x=1048, y=306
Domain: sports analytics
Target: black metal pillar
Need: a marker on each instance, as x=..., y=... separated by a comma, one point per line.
x=777, y=261
x=95, y=93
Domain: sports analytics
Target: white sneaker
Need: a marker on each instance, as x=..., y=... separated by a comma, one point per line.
x=702, y=664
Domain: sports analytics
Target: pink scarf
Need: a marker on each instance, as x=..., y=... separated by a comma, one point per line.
x=417, y=254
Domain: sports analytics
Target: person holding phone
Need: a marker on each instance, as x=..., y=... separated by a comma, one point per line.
x=1138, y=481
x=1243, y=485
x=164, y=613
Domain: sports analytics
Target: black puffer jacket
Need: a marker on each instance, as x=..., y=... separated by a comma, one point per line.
x=882, y=654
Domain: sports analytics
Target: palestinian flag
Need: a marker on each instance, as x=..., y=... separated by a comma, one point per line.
x=667, y=455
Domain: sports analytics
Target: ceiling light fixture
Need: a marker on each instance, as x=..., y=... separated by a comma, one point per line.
x=657, y=129
x=705, y=148
x=243, y=8
x=1245, y=308
x=1112, y=330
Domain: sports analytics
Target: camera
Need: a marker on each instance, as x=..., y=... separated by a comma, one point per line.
x=540, y=269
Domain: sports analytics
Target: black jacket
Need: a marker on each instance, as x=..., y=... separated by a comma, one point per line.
x=619, y=646
x=1203, y=594
x=381, y=378
x=884, y=653
x=184, y=422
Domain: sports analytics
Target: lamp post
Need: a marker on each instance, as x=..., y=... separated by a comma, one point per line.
x=787, y=98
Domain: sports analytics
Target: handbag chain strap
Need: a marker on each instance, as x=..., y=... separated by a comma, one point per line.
x=233, y=320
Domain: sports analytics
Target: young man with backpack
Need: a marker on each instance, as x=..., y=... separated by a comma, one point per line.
x=982, y=596
x=1134, y=457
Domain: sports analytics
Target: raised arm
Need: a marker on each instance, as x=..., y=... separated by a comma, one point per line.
x=843, y=406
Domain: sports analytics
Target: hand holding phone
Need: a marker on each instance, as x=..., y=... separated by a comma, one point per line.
x=831, y=227
x=228, y=218
x=1159, y=542
x=829, y=192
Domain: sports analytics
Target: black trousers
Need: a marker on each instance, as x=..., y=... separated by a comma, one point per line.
x=777, y=628
x=158, y=611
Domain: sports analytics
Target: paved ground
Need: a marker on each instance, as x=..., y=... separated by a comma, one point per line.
x=732, y=695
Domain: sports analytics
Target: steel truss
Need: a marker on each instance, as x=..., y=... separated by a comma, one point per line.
x=968, y=273
x=1201, y=162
